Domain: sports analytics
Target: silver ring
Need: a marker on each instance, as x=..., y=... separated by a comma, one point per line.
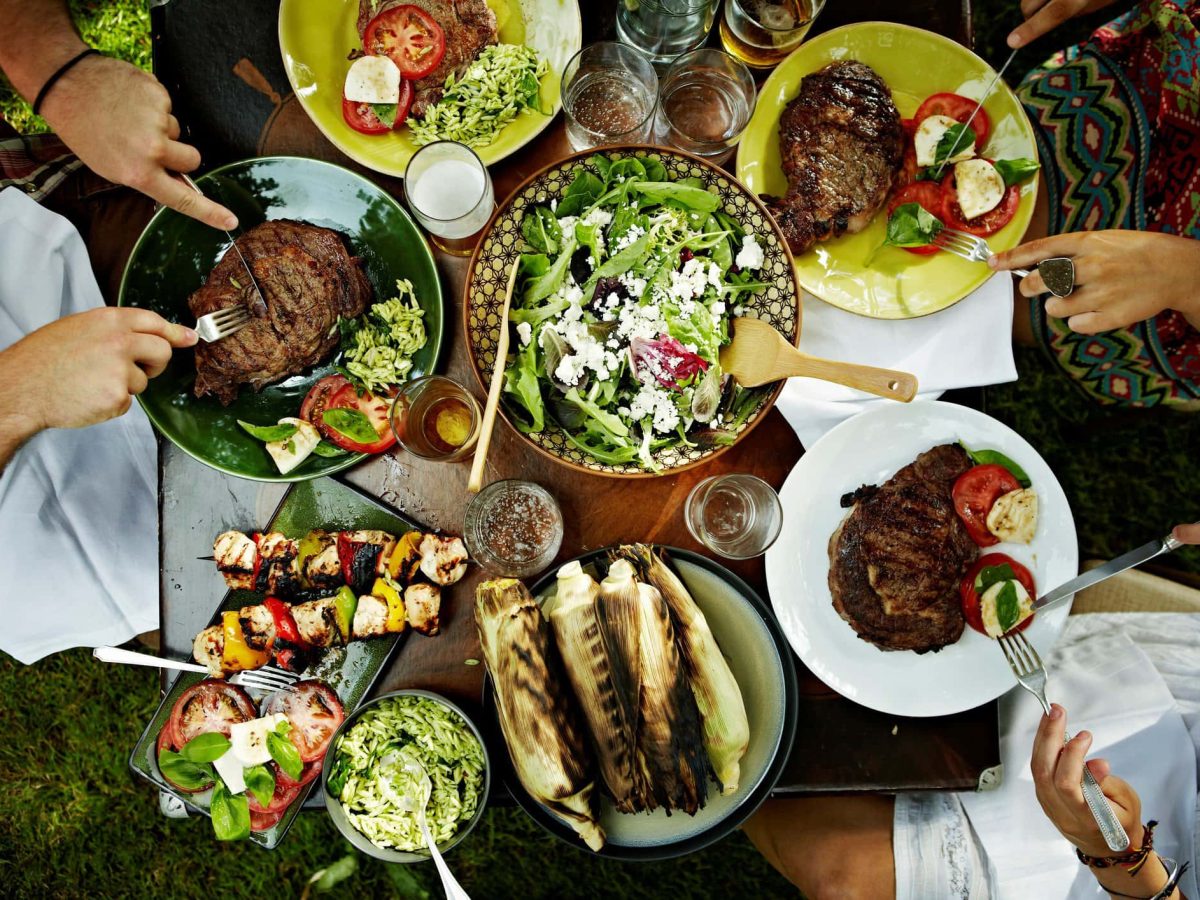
x=1058, y=274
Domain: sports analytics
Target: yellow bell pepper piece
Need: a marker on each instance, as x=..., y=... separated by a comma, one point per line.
x=396, y=618
x=405, y=558
x=236, y=654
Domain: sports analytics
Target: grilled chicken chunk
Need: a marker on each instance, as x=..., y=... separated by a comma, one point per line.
x=316, y=622
x=235, y=554
x=443, y=559
x=207, y=647
x=258, y=626
x=323, y=569
x=370, y=617
x=278, y=574
x=422, y=607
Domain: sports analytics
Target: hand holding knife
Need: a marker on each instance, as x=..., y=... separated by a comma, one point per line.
x=259, y=306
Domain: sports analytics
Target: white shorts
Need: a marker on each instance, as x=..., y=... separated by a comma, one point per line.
x=938, y=856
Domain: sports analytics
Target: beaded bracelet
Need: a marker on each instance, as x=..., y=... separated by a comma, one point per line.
x=62, y=70
x=1175, y=873
x=1132, y=860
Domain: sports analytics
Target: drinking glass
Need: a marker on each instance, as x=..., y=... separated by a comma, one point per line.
x=608, y=96
x=662, y=29
x=450, y=193
x=762, y=32
x=436, y=418
x=735, y=516
x=705, y=100
x=513, y=528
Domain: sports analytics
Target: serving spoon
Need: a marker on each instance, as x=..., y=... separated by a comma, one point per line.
x=759, y=354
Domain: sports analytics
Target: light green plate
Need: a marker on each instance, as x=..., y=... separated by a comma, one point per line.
x=174, y=255
x=315, y=37
x=851, y=272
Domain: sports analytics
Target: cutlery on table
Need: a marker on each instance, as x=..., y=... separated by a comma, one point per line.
x=759, y=354
x=267, y=679
x=1030, y=672
x=454, y=890
x=493, y=399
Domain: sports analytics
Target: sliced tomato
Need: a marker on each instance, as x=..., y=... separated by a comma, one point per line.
x=410, y=36
x=375, y=407
x=315, y=713
x=976, y=490
x=316, y=401
x=211, y=705
x=280, y=800
x=264, y=821
x=908, y=167
x=361, y=117
x=925, y=193
x=310, y=771
x=958, y=108
x=166, y=742
x=988, y=223
x=971, y=600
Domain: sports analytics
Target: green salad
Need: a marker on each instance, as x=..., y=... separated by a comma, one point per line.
x=378, y=792
x=625, y=293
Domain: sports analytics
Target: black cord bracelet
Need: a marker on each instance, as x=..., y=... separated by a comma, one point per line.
x=62, y=70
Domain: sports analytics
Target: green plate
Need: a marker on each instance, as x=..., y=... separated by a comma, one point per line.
x=174, y=255
x=852, y=272
x=324, y=503
x=315, y=39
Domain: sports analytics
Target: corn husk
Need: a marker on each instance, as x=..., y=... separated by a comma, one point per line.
x=718, y=697
x=541, y=727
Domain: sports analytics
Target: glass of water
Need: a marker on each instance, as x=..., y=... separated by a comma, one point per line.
x=608, y=96
x=705, y=100
x=662, y=29
x=450, y=193
x=735, y=516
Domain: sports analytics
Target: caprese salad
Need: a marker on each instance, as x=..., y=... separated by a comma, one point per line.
x=997, y=595
x=947, y=180
x=247, y=764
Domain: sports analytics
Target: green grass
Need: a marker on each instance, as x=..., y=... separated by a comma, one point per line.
x=74, y=823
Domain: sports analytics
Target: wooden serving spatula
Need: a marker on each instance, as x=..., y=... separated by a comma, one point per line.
x=759, y=354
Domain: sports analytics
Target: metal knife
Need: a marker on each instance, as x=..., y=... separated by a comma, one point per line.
x=978, y=106
x=259, y=307
x=1142, y=554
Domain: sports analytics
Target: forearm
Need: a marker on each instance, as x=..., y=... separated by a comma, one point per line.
x=37, y=38
x=1149, y=880
x=16, y=425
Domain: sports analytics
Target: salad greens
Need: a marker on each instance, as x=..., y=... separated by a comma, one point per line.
x=626, y=287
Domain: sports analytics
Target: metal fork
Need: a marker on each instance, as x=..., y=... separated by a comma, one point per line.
x=222, y=323
x=968, y=246
x=1027, y=666
x=267, y=679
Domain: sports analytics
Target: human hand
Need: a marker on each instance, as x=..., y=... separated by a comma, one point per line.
x=83, y=369
x=1121, y=277
x=1042, y=16
x=1057, y=775
x=1187, y=534
x=117, y=119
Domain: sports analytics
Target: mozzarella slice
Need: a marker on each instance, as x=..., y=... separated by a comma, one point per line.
x=987, y=607
x=232, y=772
x=373, y=79
x=1013, y=517
x=248, y=740
x=929, y=133
x=295, y=450
x=979, y=187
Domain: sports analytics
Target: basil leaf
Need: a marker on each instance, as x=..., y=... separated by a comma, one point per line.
x=339, y=773
x=284, y=752
x=996, y=458
x=184, y=772
x=956, y=139
x=328, y=450
x=386, y=113
x=1008, y=607
x=205, y=748
x=351, y=423
x=911, y=225
x=269, y=433
x=261, y=783
x=1014, y=171
x=993, y=575
x=230, y=814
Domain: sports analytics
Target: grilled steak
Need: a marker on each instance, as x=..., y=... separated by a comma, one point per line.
x=308, y=278
x=470, y=25
x=896, y=560
x=842, y=144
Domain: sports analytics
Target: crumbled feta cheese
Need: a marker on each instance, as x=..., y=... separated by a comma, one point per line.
x=569, y=370
x=573, y=313
x=636, y=286
x=654, y=402
x=553, y=204
x=638, y=321
x=694, y=279
x=717, y=309
x=566, y=223
x=598, y=216
x=612, y=343
x=525, y=333
x=632, y=234
x=751, y=254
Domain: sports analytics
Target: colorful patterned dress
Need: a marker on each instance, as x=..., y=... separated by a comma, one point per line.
x=1119, y=140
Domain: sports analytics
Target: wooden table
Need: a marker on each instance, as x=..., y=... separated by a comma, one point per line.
x=235, y=102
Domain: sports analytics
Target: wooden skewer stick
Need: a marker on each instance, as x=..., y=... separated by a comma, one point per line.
x=493, y=398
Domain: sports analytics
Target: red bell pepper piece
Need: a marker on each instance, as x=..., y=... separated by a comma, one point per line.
x=285, y=625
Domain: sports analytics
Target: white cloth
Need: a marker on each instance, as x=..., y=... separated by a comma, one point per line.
x=1131, y=680
x=78, y=507
x=967, y=345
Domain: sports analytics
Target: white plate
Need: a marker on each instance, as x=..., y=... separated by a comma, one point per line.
x=869, y=449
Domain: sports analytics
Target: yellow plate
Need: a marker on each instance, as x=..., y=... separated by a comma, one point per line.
x=315, y=37
x=852, y=272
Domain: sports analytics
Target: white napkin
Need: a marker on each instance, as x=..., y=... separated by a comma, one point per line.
x=967, y=345
x=1109, y=687
x=78, y=507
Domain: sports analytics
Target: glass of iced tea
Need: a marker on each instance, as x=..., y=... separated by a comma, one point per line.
x=608, y=96
x=450, y=193
x=762, y=32
x=436, y=418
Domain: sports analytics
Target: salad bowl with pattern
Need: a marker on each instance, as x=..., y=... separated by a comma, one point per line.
x=504, y=242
